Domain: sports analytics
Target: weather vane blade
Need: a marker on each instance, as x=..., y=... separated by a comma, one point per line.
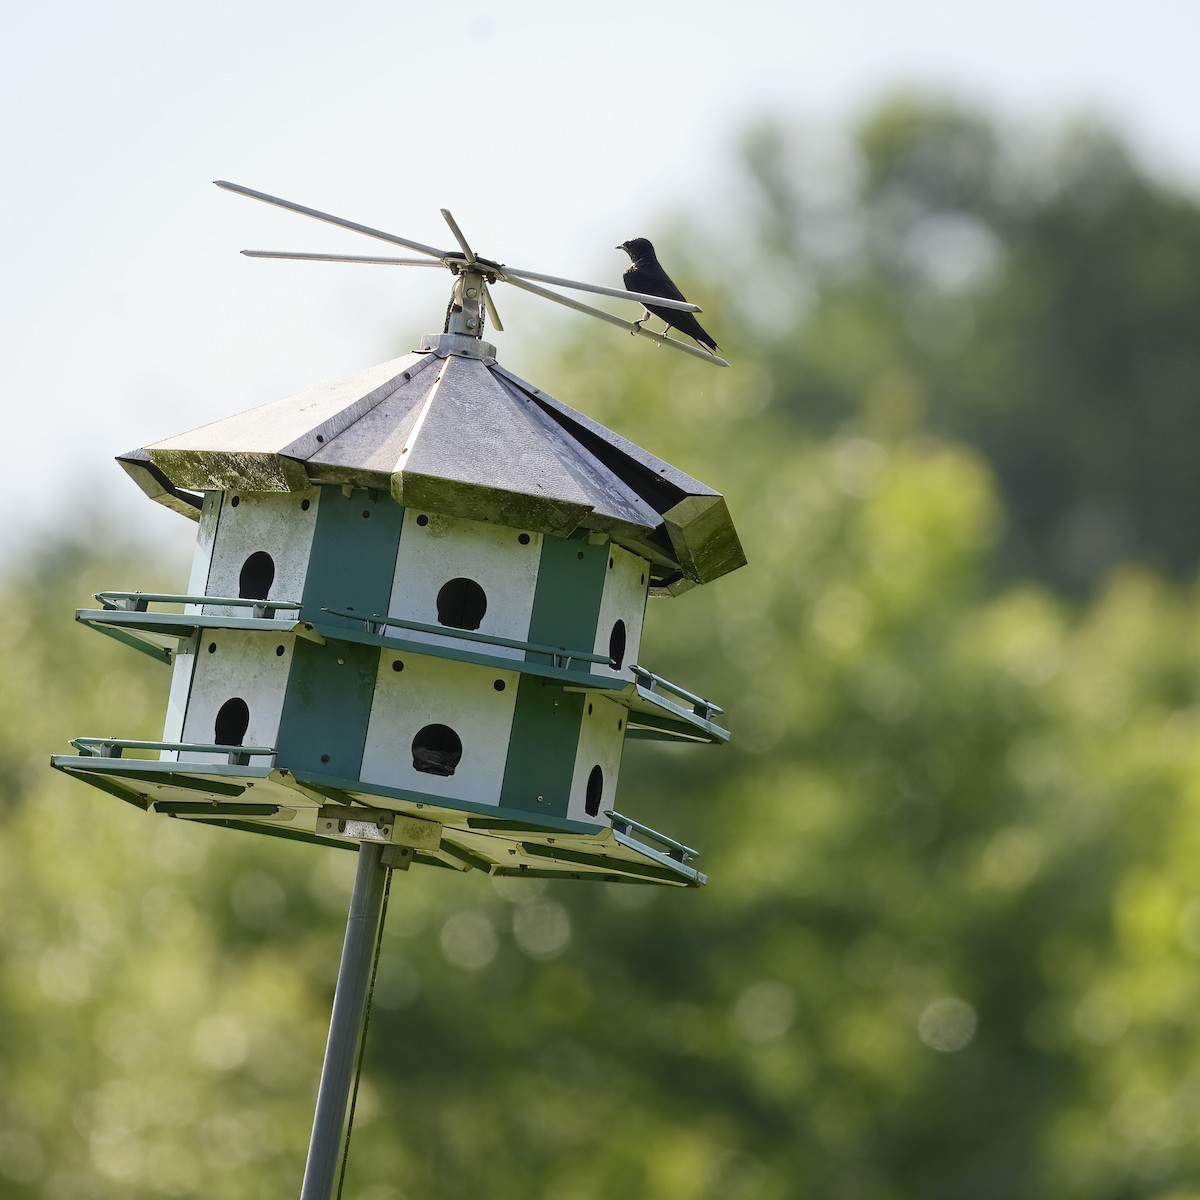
x=458, y=235
x=491, y=308
x=344, y=258
x=504, y=273
x=600, y=290
x=317, y=215
x=579, y=306
x=472, y=295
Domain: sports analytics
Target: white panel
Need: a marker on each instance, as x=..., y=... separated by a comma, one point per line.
x=206, y=534
x=625, y=589
x=181, y=671
x=181, y=683
x=242, y=664
x=275, y=522
x=601, y=739
x=446, y=548
x=431, y=691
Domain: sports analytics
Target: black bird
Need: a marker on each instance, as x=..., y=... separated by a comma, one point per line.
x=646, y=275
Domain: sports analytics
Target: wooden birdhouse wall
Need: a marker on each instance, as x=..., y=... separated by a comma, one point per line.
x=622, y=611
x=598, y=760
x=476, y=703
x=261, y=545
x=232, y=666
x=443, y=559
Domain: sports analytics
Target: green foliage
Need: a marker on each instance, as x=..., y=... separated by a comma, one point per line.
x=950, y=943
x=1034, y=297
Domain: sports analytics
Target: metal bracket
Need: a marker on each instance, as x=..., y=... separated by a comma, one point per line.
x=360, y=824
x=466, y=305
x=378, y=825
x=398, y=858
x=626, y=825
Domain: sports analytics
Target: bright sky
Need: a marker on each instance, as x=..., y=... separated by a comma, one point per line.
x=551, y=131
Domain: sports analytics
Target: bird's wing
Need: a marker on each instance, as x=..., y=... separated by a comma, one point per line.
x=652, y=282
x=668, y=287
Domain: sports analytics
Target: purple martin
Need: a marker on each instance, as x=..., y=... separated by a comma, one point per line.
x=646, y=275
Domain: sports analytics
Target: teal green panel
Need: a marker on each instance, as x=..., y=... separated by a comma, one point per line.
x=353, y=555
x=323, y=727
x=566, y=603
x=542, y=748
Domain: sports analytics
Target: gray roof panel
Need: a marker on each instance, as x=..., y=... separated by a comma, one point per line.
x=448, y=430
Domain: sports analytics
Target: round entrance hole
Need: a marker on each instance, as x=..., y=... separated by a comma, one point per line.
x=233, y=719
x=616, y=645
x=436, y=750
x=461, y=604
x=595, y=788
x=258, y=573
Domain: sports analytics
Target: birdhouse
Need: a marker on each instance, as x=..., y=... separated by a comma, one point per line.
x=415, y=616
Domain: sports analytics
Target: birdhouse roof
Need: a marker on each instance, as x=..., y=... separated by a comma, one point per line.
x=448, y=430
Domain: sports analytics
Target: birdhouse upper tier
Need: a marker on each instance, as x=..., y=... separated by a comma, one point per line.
x=415, y=614
x=448, y=430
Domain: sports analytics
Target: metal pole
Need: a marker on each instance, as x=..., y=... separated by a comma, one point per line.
x=346, y=1024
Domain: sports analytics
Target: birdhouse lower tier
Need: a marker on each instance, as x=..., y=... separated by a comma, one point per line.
x=345, y=667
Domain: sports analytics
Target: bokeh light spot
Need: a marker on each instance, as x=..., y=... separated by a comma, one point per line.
x=220, y=1042
x=542, y=928
x=469, y=940
x=947, y=1025
x=764, y=1011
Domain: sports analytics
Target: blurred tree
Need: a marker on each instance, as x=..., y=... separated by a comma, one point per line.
x=949, y=947
x=158, y=1018
x=1033, y=296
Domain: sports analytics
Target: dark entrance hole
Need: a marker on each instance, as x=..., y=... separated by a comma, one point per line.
x=616, y=645
x=258, y=573
x=233, y=719
x=595, y=788
x=461, y=604
x=436, y=750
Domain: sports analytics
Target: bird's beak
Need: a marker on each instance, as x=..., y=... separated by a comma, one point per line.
x=622, y=246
